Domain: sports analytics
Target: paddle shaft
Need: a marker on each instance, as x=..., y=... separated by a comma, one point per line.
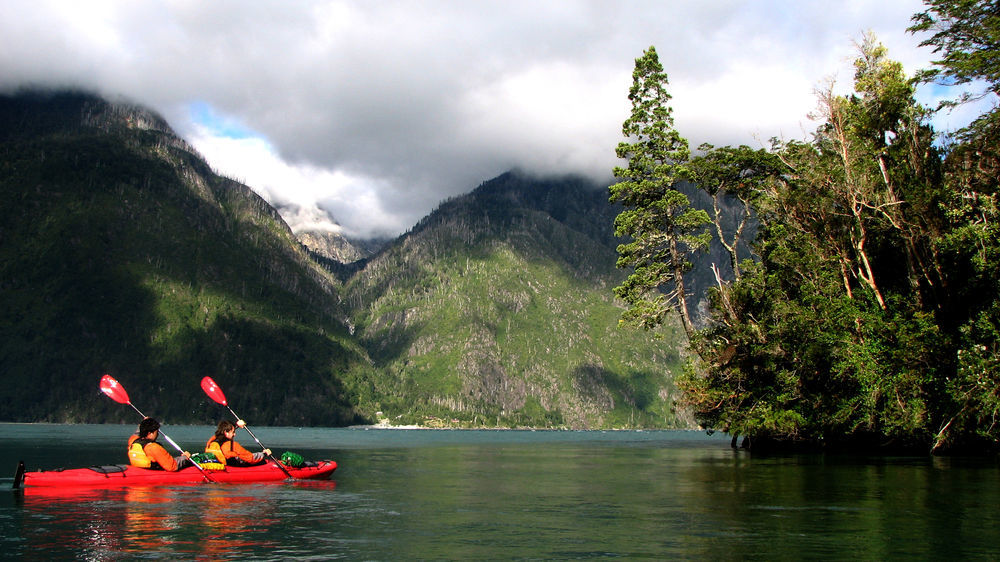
x=176, y=446
x=276, y=461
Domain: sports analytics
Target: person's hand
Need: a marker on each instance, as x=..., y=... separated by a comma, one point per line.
x=241, y=423
x=267, y=452
x=186, y=454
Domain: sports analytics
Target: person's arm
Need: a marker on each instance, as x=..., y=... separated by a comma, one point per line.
x=243, y=454
x=160, y=456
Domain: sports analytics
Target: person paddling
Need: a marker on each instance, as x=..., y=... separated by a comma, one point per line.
x=145, y=452
x=228, y=451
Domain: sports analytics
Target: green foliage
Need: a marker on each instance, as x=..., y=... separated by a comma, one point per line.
x=739, y=173
x=966, y=36
x=493, y=312
x=870, y=316
x=660, y=225
x=976, y=384
x=966, y=33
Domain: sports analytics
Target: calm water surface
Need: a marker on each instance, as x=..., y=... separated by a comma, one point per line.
x=416, y=494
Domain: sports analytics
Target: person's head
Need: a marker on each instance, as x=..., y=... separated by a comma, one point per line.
x=148, y=426
x=226, y=430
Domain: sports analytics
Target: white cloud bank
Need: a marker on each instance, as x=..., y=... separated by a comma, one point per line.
x=364, y=115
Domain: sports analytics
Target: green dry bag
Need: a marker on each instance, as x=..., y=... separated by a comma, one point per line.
x=202, y=458
x=289, y=458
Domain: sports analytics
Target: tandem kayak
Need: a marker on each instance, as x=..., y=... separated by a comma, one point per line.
x=125, y=475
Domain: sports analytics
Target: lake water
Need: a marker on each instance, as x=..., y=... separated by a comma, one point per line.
x=433, y=494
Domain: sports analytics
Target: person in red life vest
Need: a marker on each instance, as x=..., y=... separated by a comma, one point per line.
x=228, y=451
x=145, y=452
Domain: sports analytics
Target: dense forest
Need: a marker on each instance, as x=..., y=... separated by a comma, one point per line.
x=868, y=315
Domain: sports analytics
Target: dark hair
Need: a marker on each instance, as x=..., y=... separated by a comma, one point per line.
x=220, y=432
x=148, y=425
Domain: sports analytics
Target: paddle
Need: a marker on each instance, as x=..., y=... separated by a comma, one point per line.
x=215, y=393
x=116, y=392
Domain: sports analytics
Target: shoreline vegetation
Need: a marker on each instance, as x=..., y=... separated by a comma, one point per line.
x=858, y=307
x=432, y=422
x=386, y=424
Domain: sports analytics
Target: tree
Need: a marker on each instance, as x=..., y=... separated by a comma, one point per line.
x=828, y=337
x=662, y=227
x=967, y=35
x=741, y=173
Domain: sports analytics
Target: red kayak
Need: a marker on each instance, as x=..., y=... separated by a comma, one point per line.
x=125, y=475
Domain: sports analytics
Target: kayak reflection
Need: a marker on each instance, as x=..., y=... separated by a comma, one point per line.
x=208, y=521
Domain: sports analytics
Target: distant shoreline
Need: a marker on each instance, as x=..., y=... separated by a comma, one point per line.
x=383, y=426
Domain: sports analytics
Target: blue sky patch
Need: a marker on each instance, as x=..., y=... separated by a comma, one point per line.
x=221, y=125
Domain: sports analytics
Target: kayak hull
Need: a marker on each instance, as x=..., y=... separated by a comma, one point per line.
x=124, y=475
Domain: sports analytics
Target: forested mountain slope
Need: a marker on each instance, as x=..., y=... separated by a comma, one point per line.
x=497, y=307
x=122, y=252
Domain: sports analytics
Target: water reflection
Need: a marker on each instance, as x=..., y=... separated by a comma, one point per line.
x=427, y=495
x=87, y=525
x=216, y=522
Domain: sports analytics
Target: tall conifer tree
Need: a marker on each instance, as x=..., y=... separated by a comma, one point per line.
x=661, y=226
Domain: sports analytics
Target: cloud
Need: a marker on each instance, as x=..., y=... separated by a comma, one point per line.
x=309, y=197
x=364, y=115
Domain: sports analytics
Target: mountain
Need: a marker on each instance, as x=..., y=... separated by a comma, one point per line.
x=122, y=252
x=331, y=245
x=498, y=305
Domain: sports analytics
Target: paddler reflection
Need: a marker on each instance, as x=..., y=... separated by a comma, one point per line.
x=232, y=521
x=148, y=514
x=60, y=523
x=209, y=522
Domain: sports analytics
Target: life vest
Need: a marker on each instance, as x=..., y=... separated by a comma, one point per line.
x=137, y=454
x=215, y=447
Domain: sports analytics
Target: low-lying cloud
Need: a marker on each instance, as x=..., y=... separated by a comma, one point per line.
x=362, y=116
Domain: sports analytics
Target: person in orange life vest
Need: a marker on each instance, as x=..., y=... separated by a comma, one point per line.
x=145, y=452
x=228, y=451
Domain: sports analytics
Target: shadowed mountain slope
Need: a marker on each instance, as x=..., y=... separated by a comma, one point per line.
x=122, y=252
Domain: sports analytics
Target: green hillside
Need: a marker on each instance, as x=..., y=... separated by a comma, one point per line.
x=497, y=310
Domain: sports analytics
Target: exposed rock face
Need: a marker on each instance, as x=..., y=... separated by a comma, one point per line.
x=330, y=245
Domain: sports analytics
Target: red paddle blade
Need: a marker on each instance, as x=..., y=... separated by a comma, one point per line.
x=213, y=391
x=114, y=390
